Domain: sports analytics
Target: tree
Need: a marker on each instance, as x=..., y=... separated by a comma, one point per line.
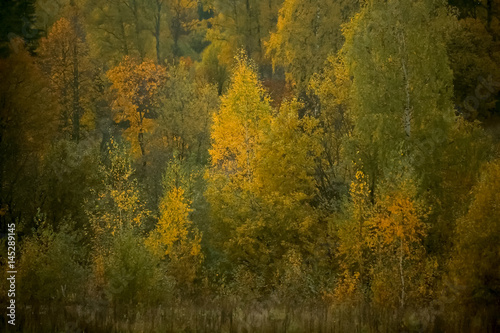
x=213, y=68
x=119, y=28
x=307, y=33
x=122, y=267
x=261, y=183
x=136, y=87
x=451, y=175
x=142, y=29
x=402, y=86
x=474, y=262
x=28, y=123
x=128, y=274
x=241, y=24
x=52, y=263
x=244, y=114
x=174, y=23
x=397, y=232
x=187, y=105
x=381, y=249
x=119, y=205
x=17, y=21
x=183, y=19
x=352, y=231
x=332, y=88
x=70, y=174
x=473, y=59
x=287, y=226
x=174, y=237
x=65, y=58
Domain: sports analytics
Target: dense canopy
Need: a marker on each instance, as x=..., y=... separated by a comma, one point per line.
x=250, y=165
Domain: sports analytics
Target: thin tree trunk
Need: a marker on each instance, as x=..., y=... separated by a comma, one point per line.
x=135, y=12
x=401, y=274
x=157, y=31
x=76, y=94
x=408, y=108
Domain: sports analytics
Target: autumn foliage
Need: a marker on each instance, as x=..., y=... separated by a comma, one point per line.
x=251, y=166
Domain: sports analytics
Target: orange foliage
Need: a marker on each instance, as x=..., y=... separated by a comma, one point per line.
x=136, y=88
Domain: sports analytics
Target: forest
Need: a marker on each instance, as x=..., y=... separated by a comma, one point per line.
x=250, y=165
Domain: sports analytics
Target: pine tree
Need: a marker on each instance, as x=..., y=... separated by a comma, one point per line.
x=17, y=21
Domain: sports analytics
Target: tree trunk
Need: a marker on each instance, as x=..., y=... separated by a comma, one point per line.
x=401, y=274
x=408, y=108
x=76, y=94
x=157, y=31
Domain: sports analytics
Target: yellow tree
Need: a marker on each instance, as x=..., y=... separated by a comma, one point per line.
x=243, y=116
x=261, y=183
x=65, y=57
x=381, y=245
x=396, y=235
x=136, y=87
x=352, y=231
x=119, y=205
x=175, y=238
x=285, y=188
x=244, y=112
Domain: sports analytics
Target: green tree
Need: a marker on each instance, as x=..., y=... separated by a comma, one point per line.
x=241, y=24
x=474, y=60
x=332, y=87
x=122, y=267
x=119, y=28
x=307, y=33
x=402, y=86
x=187, y=106
x=52, y=269
x=17, y=21
x=213, y=68
x=28, y=123
x=473, y=268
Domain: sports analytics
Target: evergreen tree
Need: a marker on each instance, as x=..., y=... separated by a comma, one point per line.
x=17, y=19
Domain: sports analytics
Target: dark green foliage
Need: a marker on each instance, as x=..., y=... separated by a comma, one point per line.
x=17, y=19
